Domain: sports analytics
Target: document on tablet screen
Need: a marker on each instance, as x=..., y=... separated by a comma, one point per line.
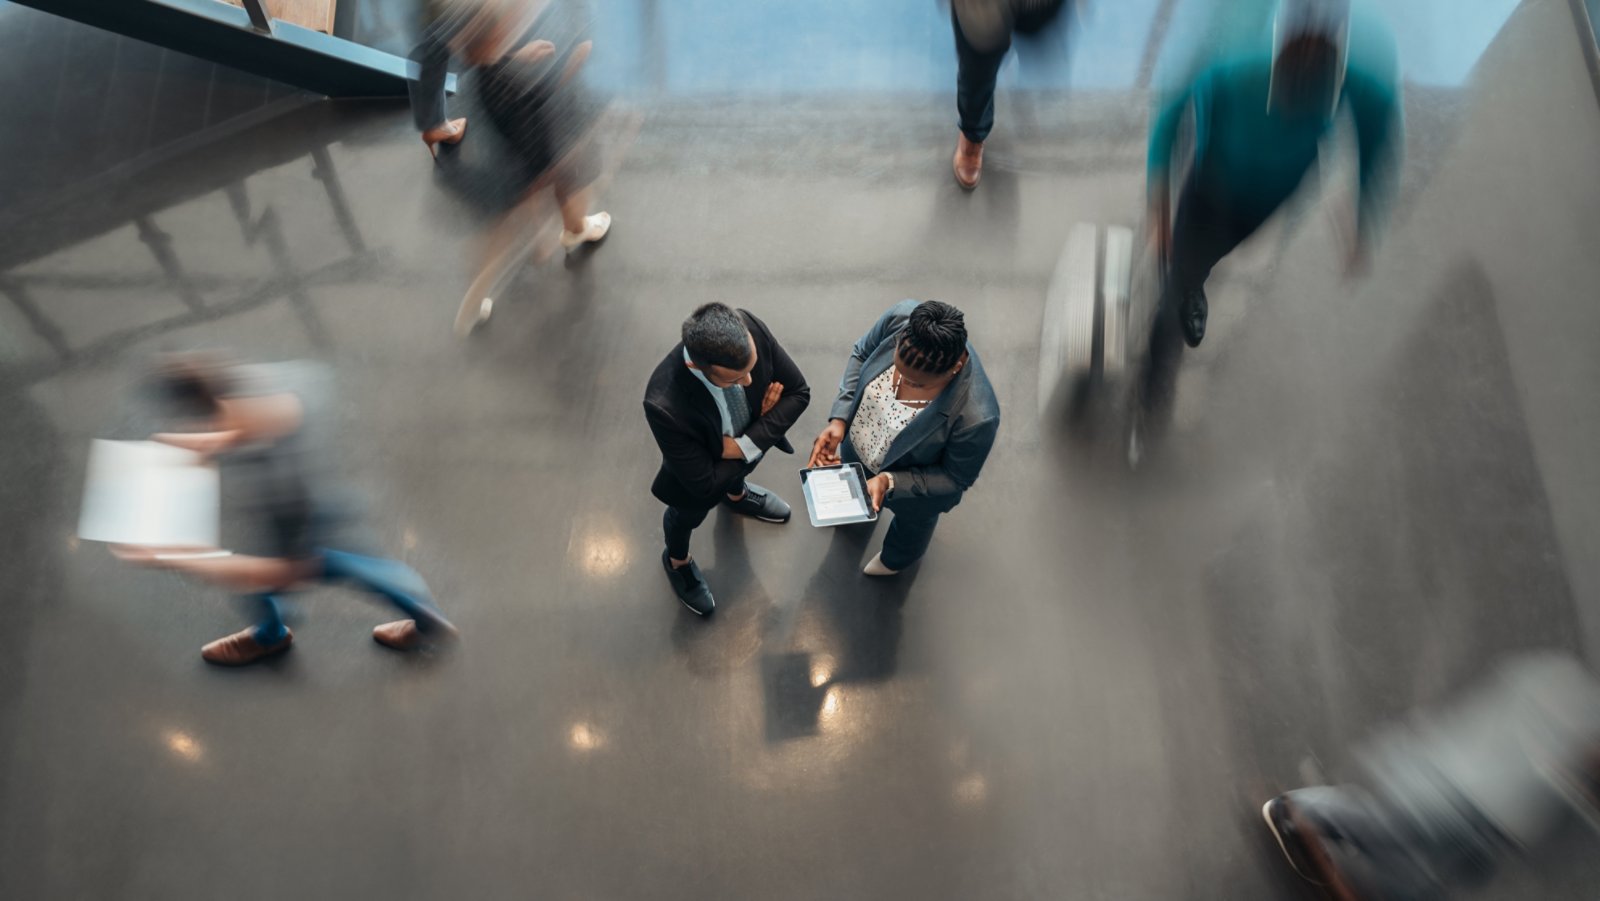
x=836, y=495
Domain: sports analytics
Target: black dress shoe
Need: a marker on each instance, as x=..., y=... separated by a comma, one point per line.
x=1192, y=316
x=690, y=586
x=761, y=503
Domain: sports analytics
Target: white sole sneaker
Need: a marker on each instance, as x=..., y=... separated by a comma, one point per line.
x=595, y=227
x=471, y=315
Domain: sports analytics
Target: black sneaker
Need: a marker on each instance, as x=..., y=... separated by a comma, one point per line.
x=1192, y=317
x=760, y=503
x=690, y=585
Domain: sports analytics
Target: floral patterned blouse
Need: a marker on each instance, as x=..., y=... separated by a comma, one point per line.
x=879, y=419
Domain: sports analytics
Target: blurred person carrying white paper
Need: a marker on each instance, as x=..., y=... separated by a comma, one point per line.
x=271, y=424
x=152, y=494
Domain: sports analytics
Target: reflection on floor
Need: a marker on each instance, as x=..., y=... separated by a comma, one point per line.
x=1085, y=692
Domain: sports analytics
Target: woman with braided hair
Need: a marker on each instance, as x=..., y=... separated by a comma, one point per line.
x=917, y=412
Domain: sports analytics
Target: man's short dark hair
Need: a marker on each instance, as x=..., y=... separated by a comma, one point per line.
x=935, y=338
x=715, y=335
x=189, y=386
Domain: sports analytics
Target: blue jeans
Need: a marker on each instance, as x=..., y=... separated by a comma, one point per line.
x=396, y=582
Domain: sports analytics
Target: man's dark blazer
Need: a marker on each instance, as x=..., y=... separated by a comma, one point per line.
x=688, y=427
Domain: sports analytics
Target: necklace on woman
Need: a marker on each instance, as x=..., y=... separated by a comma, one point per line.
x=908, y=402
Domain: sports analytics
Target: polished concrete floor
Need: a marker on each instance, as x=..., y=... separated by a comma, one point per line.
x=1373, y=490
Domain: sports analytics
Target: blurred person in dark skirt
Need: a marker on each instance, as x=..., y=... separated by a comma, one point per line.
x=526, y=60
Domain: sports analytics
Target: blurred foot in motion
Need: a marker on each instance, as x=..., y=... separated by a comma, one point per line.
x=473, y=312
x=1192, y=316
x=243, y=647
x=1304, y=842
x=450, y=132
x=405, y=635
x=968, y=162
x=589, y=230
x=1445, y=799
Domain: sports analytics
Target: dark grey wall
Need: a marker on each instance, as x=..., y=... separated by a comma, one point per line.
x=82, y=102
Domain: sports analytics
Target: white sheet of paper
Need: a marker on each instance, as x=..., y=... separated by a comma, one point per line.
x=145, y=492
x=830, y=491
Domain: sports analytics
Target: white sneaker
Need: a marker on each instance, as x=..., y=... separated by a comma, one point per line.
x=595, y=227
x=875, y=567
x=471, y=315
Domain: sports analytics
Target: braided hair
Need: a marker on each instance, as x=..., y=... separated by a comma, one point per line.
x=934, y=339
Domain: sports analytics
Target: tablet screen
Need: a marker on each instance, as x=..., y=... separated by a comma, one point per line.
x=837, y=495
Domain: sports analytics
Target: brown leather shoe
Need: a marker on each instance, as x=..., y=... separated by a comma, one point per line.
x=451, y=132
x=968, y=162
x=241, y=648
x=403, y=635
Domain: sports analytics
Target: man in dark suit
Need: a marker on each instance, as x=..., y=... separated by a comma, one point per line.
x=720, y=400
x=917, y=411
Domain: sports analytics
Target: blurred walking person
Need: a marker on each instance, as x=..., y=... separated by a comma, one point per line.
x=527, y=58
x=1447, y=799
x=1259, y=116
x=983, y=31
x=271, y=426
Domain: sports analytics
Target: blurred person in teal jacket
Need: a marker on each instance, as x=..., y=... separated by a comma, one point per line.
x=1262, y=101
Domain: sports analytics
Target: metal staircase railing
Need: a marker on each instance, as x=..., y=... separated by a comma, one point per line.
x=249, y=39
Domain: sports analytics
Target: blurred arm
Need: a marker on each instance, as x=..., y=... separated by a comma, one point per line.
x=236, y=572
